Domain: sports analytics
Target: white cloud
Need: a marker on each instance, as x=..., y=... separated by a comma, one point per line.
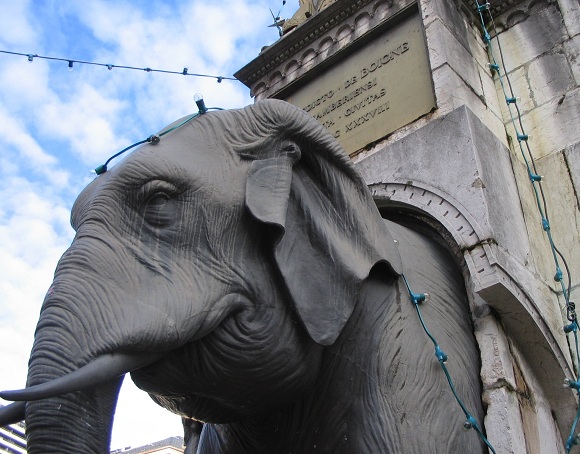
x=15, y=30
x=34, y=232
x=27, y=153
x=86, y=120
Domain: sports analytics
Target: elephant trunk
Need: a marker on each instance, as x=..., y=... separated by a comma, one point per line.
x=71, y=418
x=77, y=422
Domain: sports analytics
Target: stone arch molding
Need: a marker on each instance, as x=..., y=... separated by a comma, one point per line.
x=450, y=213
x=498, y=283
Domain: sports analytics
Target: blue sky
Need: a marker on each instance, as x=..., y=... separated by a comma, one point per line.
x=56, y=125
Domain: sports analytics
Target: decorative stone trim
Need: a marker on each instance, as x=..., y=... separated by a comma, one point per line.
x=496, y=7
x=454, y=217
x=343, y=22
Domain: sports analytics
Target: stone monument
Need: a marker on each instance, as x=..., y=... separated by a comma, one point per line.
x=412, y=90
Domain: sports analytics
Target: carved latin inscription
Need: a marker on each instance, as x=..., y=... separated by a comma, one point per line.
x=374, y=90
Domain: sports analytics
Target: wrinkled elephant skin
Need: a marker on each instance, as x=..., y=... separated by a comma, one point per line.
x=241, y=272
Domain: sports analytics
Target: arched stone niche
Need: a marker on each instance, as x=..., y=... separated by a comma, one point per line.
x=511, y=333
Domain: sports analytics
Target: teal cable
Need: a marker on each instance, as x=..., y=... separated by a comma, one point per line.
x=471, y=422
x=152, y=139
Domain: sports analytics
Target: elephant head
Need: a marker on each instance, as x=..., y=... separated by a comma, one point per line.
x=214, y=266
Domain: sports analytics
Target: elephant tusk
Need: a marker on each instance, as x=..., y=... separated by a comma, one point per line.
x=11, y=414
x=102, y=369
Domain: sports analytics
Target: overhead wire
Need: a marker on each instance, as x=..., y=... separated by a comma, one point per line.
x=110, y=66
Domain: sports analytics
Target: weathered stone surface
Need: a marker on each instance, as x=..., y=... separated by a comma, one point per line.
x=499, y=190
x=549, y=76
x=538, y=297
x=496, y=362
x=522, y=43
x=539, y=260
x=572, y=154
x=445, y=49
x=521, y=89
x=539, y=282
x=503, y=421
x=458, y=156
x=554, y=125
x=510, y=383
x=492, y=101
x=562, y=209
x=452, y=93
x=542, y=435
x=572, y=50
x=448, y=14
x=571, y=14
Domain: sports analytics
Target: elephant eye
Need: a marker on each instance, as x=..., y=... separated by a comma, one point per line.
x=158, y=200
x=160, y=204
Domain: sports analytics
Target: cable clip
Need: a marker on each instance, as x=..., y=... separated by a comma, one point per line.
x=571, y=313
x=545, y=224
x=418, y=298
x=469, y=423
x=483, y=7
x=522, y=137
x=101, y=169
x=572, y=327
x=154, y=139
x=572, y=384
x=571, y=441
x=440, y=354
x=535, y=178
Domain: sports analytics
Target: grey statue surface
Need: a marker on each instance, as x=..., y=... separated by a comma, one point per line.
x=241, y=272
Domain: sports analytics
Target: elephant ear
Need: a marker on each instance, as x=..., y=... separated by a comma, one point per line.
x=331, y=233
x=268, y=185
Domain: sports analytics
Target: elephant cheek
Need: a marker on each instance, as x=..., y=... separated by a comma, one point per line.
x=75, y=423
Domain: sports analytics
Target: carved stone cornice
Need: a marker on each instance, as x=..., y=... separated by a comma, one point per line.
x=288, y=45
x=334, y=29
x=496, y=7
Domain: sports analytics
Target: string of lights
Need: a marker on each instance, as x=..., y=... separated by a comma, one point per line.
x=154, y=139
x=536, y=181
x=470, y=421
x=71, y=62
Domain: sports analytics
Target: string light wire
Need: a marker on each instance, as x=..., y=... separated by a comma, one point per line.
x=154, y=139
x=109, y=66
x=470, y=421
x=541, y=203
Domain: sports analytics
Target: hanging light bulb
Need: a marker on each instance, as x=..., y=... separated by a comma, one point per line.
x=70, y=65
x=198, y=98
x=30, y=58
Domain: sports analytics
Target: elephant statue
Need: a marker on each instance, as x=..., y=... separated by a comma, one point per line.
x=241, y=272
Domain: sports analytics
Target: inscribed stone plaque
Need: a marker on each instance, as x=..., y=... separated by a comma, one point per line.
x=375, y=90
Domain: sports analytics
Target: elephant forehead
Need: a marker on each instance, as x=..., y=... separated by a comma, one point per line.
x=207, y=166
